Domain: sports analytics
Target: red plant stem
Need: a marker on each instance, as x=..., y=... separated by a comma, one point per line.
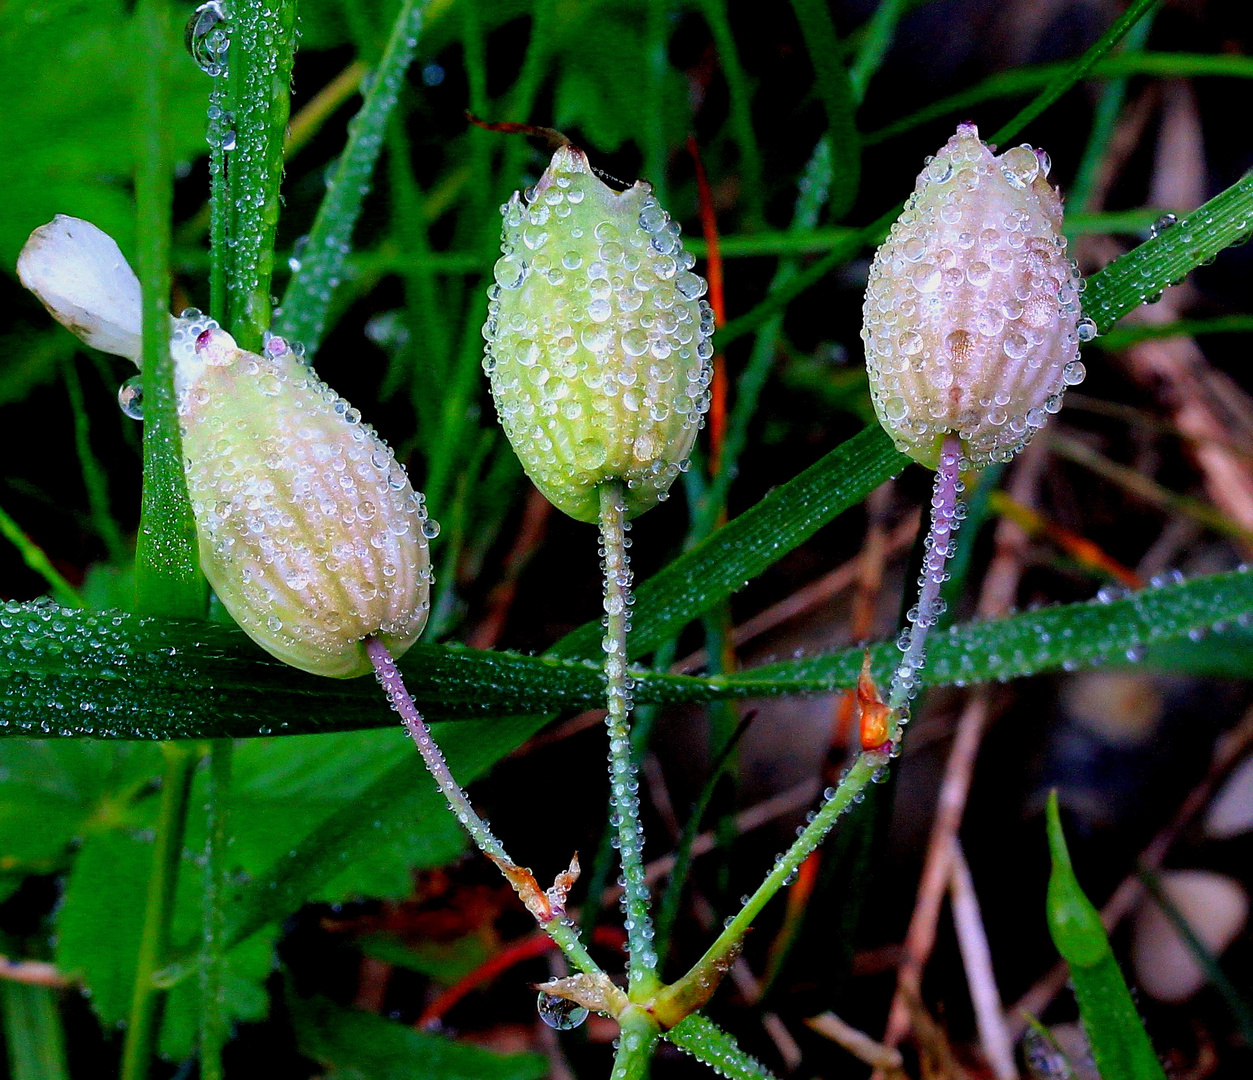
x=515, y=953
x=717, y=301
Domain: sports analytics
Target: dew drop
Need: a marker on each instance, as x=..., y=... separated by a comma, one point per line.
x=560, y=1013
x=206, y=37
x=130, y=397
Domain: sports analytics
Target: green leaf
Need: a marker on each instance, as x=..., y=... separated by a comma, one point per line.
x=447, y=962
x=1164, y=260
x=1119, y=1044
x=101, y=918
x=111, y=675
x=363, y=1046
x=68, y=77
x=705, y=1041
x=400, y=811
x=33, y=1034
x=53, y=793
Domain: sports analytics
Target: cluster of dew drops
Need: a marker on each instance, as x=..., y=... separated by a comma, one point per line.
x=628, y=324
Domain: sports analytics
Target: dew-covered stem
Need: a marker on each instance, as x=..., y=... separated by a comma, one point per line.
x=723, y=951
x=259, y=72
x=317, y=270
x=214, y=1024
x=167, y=576
x=947, y=510
x=145, y=1013
x=218, y=129
x=623, y=787
x=636, y=1041
x=389, y=678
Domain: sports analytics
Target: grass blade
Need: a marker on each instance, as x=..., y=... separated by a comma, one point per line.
x=308, y=296
x=1119, y=1044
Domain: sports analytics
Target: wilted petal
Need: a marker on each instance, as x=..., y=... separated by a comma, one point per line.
x=83, y=279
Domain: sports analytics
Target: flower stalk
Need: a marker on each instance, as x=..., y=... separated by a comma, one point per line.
x=623, y=786
x=548, y=906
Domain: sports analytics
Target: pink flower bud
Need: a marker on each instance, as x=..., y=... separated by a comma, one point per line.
x=971, y=319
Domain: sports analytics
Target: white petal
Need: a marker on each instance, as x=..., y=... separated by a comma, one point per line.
x=85, y=282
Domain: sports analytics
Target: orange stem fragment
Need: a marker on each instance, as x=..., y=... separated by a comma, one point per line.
x=717, y=301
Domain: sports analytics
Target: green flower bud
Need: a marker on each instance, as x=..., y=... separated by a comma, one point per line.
x=308, y=528
x=598, y=342
x=971, y=319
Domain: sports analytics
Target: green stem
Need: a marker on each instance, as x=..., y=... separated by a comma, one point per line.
x=219, y=196
x=704, y=1040
x=1075, y=72
x=309, y=294
x=214, y=1024
x=722, y=952
x=167, y=575
x=260, y=63
x=636, y=1042
x=623, y=798
x=145, y=1014
x=656, y=68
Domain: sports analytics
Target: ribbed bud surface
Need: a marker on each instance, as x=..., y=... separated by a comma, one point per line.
x=597, y=339
x=971, y=321
x=309, y=530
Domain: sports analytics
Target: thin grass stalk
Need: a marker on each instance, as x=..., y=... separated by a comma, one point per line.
x=35, y=559
x=745, y=135
x=835, y=90
x=214, y=1023
x=876, y=40
x=1137, y=10
x=94, y=479
x=146, y=1000
x=1104, y=118
x=260, y=62
x=320, y=266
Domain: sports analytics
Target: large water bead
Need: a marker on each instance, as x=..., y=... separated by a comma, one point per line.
x=971, y=321
x=309, y=530
x=597, y=339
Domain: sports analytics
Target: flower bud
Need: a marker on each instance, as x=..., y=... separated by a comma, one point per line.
x=83, y=279
x=971, y=319
x=598, y=342
x=308, y=528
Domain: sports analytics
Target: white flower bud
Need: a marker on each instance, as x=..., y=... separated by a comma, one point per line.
x=308, y=528
x=82, y=278
x=971, y=319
